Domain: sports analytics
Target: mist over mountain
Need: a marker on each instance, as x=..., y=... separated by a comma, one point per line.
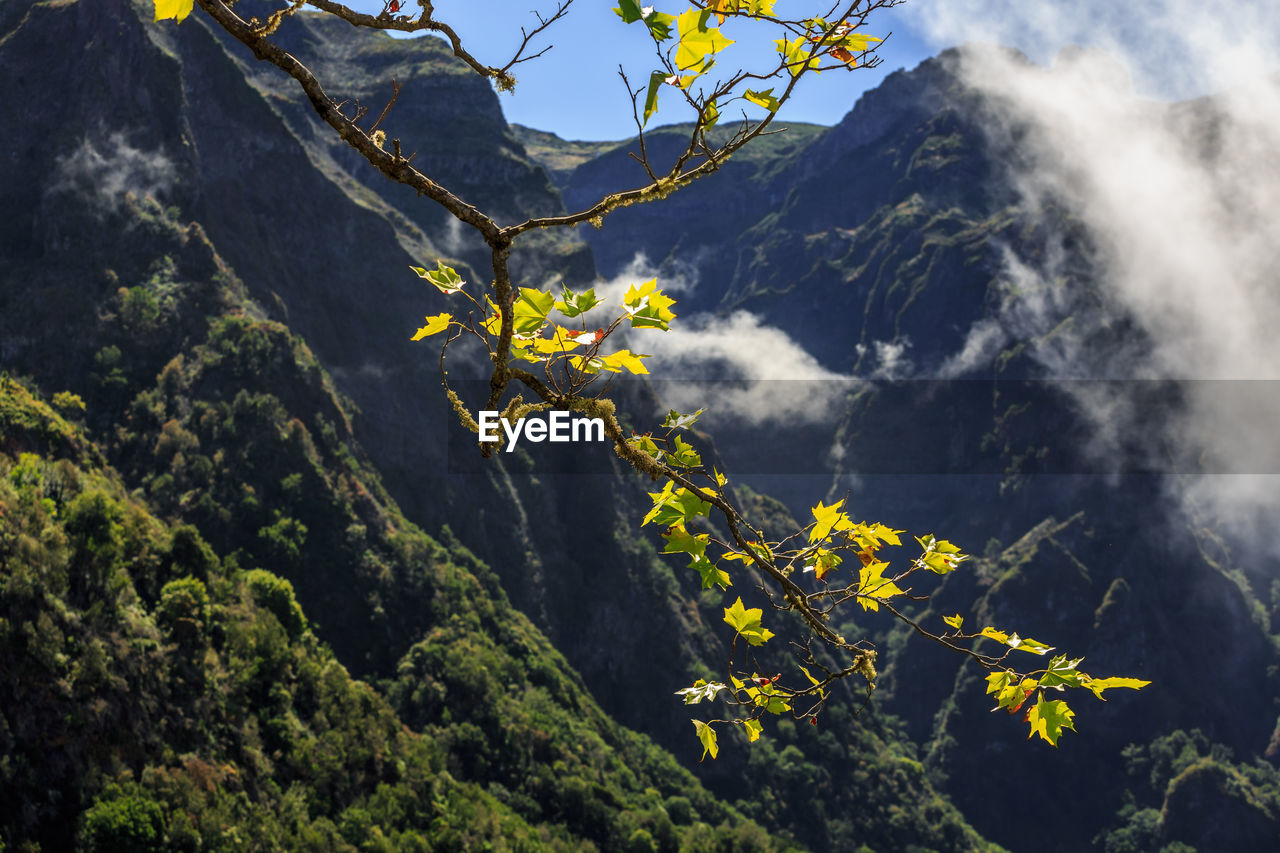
x=224, y=286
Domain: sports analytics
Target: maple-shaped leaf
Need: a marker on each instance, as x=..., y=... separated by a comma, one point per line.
x=954, y=621
x=531, y=309
x=822, y=562
x=435, y=325
x=628, y=11
x=992, y=633
x=746, y=621
x=675, y=420
x=722, y=8
x=707, y=735
x=827, y=518
x=176, y=9
x=561, y=341
x=683, y=455
x=616, y=362
x=873, y=587
x=754, y=728
x=680, y=541
x=1049, y=718
x=572, y=304
x=795, y=53
x=1098, y=685
x=711, y=574
x=1063, y=673
x=648, y=307
x=697, y=41
x=701, y=690
x=672, y=506
x=445, y=278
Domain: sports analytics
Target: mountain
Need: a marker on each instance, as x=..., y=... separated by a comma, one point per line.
x=208, y=289
x=881, y=248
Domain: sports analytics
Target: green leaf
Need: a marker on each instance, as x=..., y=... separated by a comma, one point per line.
x=764, y=99
x=1027, y=644
x=710, y=115
x=1098, y=685
x=532, y=308
x=711, y=574
x=954, y=621
x=679, y=541
x=701, y=690
x=683, y=454
x=707, y=735
x=747, y=623
x=628, y=11
x=754, y=728
x=446, y=279
x=656, y=81
x=1048, y=719
x=659, y=25
x=572, y=304
x=672, y=506
x=675, y=420
x=697, y=40
x=1063, y=673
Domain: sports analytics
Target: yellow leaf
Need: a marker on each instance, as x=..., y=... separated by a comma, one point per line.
x=1098, y=685
x=176, y=9
x=954, y=621
x=560, y=342
x=615, y=362
x=753, y=727
x=998, y=636
x=435, y=325
x=826, y=517
x=872, y=585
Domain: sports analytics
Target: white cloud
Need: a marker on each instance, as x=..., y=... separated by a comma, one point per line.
x=1181, y=203
x=108, y=169
x=734, y=366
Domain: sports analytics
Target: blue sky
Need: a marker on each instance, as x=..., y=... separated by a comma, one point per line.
x=1169, y=48
x=574, y=89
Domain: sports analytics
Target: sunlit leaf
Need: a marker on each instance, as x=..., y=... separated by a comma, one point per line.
x=176, y=9
x=1099, y=685
x=697, y=40
x=707, y=735
x=746, y=621
x=1049, y=718
x=445, y=278
x=435, y=325
x=701, y=690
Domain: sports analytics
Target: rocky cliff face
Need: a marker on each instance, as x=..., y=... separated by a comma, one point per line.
x=108, y=291
x=891, y=233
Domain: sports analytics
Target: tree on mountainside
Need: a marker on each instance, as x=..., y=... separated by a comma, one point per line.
x=514, y=325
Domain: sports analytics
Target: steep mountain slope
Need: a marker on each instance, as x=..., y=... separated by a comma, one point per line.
x=149, y=703
x=882, y=247
x=218, y=415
